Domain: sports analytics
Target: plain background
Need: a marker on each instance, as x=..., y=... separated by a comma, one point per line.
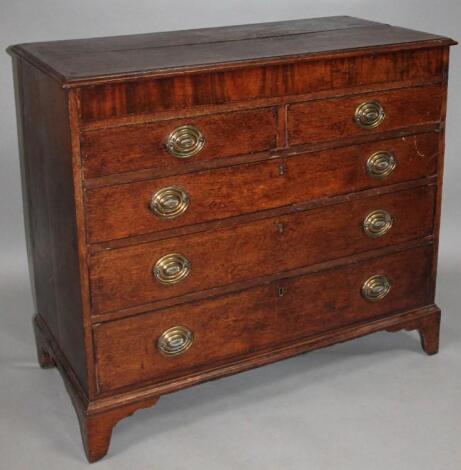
x=374, y=403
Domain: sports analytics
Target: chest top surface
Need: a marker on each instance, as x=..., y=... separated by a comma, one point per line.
x=74, y=62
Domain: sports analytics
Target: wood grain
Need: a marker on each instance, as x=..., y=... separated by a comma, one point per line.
x=49, y=210
x=184, y=91
x=428, y=328
x=96, y=428
x=278, y=197
x=124, y=210
x=440, y=169
x=144, y=146
x=244, y=323
x=107, y=410
x=197, y=165
x=324, y=120
x=123, y=277
x=80, y=61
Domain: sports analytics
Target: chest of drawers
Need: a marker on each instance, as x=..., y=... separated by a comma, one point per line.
x=202, y=202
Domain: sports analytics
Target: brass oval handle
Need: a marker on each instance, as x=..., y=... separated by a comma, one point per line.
x=171, y=268
x=377, y=223
x=369, y=115
x=376, y=288
x=169, y=202
x=175, y=341
x=185, y=141
x=381, y=164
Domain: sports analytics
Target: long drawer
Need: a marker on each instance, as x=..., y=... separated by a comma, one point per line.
x=164, y=344
x=150, y=206
x=168, y=268
x=359, y=115
x=172, y=144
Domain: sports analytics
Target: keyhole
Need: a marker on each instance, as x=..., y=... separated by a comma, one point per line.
x=281, y=169
x=281, y=291
x=280, y=227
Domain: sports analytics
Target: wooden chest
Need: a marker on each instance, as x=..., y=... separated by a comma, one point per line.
x=202, y=202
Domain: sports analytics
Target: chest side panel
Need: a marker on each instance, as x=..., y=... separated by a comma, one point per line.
x=50, y=212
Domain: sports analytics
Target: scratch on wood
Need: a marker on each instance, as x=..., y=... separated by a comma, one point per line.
x=415, y=140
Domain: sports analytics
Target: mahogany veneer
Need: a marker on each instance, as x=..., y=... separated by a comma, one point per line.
x=198, y=203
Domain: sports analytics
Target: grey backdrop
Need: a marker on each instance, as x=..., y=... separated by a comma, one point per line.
x=375, y=403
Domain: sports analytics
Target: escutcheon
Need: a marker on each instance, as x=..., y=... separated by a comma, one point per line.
x=185, y=141
x=175, y=341
x=369, y=115
x=376, y=288
x=172, y=268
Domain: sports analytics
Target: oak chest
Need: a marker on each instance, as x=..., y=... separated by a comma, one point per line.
x=202, y=202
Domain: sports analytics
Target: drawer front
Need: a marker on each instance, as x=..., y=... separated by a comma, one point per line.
x=153, y=271
x=342, y=118
x=151, y=206
x=152, y=348
x=172, y=144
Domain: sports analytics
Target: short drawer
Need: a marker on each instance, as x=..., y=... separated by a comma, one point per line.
x=151, y=206
x=359, y=115
x=168, y=268
x=171, y=144
x=169, y=343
